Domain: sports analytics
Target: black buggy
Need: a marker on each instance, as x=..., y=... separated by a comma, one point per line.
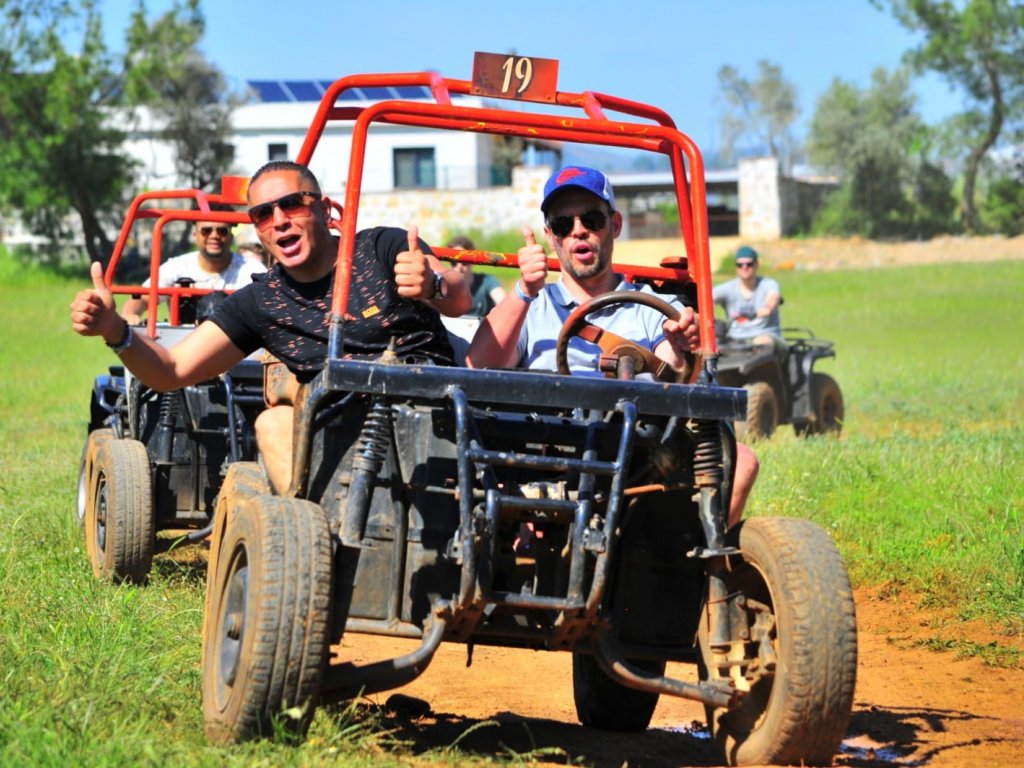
x=154, y=462
x=413, y=486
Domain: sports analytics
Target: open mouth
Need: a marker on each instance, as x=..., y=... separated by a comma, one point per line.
x=289, y=245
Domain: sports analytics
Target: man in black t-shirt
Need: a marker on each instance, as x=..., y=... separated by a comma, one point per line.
x=397, y=289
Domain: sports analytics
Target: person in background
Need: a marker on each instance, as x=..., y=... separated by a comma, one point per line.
x=581, y=224
x=486, y=289
x=398, y=287
x=254, y=251
x=212, y=265
x=751, y=302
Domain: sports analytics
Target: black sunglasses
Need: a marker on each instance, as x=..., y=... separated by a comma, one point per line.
x=594, y=220
x=207, y=231
x=291, y=205
x=744, y=264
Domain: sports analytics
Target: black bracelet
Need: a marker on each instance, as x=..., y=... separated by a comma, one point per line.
x=125, y=342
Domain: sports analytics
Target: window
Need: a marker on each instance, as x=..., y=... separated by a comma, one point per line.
x=415, y=168
x=277, y=152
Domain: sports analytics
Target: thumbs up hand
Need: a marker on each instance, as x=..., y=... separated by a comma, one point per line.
x=413, y=275
x=533, y=263
x=93, y=312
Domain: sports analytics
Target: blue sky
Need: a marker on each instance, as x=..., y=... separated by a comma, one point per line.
x=663, y=52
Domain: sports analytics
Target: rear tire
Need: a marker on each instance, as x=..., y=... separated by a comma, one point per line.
x=762, y=412
x=801, y=647
x=120, y=529
x=265, y=639
x=827, y=412
x=605, y=704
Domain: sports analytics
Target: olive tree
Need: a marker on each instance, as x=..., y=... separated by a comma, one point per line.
x=978, y=45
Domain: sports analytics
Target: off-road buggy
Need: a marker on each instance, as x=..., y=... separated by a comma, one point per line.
x=782, y=385
x=413, y=486
x=154, y=462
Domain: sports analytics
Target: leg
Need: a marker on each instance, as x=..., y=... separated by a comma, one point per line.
x=274, y=440
x=747, y=467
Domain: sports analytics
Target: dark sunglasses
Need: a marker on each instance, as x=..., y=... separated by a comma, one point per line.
x=594, y=220
x=292, y=205
x=207, y=231
x=744, y=264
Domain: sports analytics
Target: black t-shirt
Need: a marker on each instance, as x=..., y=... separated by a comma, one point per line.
x=290, y=318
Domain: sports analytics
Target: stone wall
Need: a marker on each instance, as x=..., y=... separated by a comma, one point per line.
x=772, y=205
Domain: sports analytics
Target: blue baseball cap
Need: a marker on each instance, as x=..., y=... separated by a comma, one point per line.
x=746, y=252
x=578, y=176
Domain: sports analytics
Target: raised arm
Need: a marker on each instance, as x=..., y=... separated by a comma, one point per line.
x=206, y=352
x=494, y=343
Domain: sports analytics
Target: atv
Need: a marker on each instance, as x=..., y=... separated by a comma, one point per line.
x=154, y=462
x=413, y=485
x=782, y=385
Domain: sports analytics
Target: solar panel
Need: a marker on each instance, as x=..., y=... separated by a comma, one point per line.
x=412, y=91
x=277, y=91
x=304, y=90
x=269, y=91
x=376, y=94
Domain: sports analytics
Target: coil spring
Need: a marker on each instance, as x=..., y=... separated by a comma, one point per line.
x=168, y=401
x=707, y=455
x=372, y=446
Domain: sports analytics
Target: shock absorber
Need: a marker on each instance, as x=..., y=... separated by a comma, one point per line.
x=164, y=444
x=371, y=450
x=708, y=457
x=708, y=472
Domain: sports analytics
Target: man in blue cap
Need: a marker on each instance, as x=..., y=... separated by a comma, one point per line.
x=751, y=303
x=581, y=224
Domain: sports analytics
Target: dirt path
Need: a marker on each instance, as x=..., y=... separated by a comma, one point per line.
x=825, y=253
x=913, y=706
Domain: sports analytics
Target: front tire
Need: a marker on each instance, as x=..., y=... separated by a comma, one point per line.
x=762, y=412
x=86, y=479
x=120, y=529
x=799, y=650
x=265, y=639
x=605, y=704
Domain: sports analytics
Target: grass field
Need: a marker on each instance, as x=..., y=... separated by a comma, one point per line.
x=923, y=492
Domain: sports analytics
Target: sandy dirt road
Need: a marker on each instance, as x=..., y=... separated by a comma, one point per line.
x=913, y=706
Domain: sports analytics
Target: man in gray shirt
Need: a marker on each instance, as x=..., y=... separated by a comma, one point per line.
x=581, y=225
x=751, y=303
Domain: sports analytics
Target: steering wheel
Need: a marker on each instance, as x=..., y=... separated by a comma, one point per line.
x=615, y=350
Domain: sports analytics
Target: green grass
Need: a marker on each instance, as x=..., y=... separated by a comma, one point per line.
x=922, y=491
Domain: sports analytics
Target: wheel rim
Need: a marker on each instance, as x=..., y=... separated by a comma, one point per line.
x=752, y=711
x=83, y=491
x=232, y=624
x=100, y=528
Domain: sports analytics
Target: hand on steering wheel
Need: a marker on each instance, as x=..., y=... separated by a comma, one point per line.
x=620, y=358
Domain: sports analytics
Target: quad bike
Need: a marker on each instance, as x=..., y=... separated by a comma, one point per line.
x=413, y=485
x=155, y=461
x=782, y=385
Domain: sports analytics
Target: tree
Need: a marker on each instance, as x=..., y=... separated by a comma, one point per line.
x=979, y=46
x=762, y=111
x=878, y=145
x=58, y=152
x=189, y=95
x=61, y=108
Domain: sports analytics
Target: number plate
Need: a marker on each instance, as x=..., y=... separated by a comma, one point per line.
x=507, y=76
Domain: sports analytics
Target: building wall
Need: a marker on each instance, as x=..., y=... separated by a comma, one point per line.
x=773, y=205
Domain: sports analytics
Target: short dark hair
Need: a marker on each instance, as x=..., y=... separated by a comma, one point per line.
x=287, y=165
x=461, y=241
